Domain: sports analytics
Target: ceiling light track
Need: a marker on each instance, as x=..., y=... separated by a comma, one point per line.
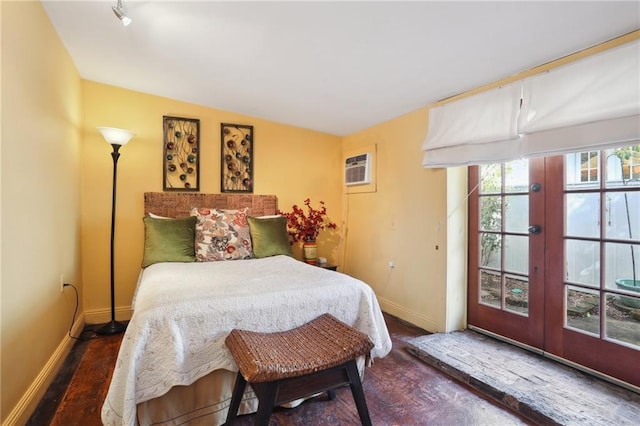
x=119, y=11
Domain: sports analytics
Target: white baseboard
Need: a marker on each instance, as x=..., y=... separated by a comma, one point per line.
x=101, y=316
x=429, y=324
x=29, y=401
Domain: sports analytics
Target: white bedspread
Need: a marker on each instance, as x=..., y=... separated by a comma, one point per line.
x=184, y=311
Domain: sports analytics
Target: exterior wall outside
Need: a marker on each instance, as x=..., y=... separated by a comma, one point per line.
x=41, y=119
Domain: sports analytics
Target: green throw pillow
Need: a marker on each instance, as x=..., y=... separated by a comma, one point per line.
x=169, y=240
x=269, y=236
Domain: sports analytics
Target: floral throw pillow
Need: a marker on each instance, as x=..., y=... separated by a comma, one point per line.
x=221, y=234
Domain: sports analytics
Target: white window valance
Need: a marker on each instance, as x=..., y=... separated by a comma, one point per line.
x=482, y=124
x=590, y=103
x=598, y=87
x=487, y=117
x=591, y=136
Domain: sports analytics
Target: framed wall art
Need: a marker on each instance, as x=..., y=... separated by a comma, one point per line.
x=181, y=154
x=236, y=170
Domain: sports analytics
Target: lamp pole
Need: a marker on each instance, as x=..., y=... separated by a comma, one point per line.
x=113, y=326
x=116, y=138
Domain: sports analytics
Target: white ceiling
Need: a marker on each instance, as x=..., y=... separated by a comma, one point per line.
x=335, y=67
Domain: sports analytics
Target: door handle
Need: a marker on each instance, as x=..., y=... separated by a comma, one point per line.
x=535, y=229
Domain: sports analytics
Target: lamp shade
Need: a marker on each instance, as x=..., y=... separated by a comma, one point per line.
x=116, y=136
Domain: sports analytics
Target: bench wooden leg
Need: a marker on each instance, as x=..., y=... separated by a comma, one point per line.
x=236, y=398
x=358, y=393
x=266, y=393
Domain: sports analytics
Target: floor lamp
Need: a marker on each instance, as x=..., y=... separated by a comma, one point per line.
x=117, y=138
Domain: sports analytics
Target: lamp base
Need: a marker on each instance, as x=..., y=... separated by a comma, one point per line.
x=113, y=327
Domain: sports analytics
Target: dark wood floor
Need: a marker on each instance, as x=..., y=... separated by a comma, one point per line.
x=400, y=390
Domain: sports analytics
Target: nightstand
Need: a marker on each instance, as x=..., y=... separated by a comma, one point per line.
x=327, y=266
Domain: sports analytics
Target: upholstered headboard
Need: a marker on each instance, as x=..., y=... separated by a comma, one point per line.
x=179, y=204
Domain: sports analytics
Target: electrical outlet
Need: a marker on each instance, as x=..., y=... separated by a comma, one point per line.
x=61, y=283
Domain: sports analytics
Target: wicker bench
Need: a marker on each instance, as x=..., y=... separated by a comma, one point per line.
x=316, y=357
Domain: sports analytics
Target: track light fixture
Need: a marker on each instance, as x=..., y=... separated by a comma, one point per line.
x=119, y=11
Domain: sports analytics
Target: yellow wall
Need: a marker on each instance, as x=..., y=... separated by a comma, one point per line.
x=290, y=162
x=41, y=114
x=403, y=221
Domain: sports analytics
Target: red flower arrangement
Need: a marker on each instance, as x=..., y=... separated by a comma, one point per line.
x=306, y=226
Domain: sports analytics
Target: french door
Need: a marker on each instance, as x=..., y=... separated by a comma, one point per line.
x=554, y=256
x=506, y=244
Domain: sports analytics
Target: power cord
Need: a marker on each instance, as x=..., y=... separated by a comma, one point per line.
x=85, y=334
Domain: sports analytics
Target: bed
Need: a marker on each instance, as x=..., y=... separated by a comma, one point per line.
x=173, y=366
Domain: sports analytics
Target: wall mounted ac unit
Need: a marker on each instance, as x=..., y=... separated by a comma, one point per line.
x=357, y=170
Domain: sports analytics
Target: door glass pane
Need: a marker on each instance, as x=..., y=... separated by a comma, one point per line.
x=623, y=166
x=622, y=324
x=516, y=213
x=517, y=294
x=619, y=265
x=490, y=178
x=582, y=170
x=490, y=250
x=583, y=215
x=516, y=177
x=491, y=213
x=516, y=254
x=490, y=288
x=583, y=310
x=622, y=218
x=582, y=262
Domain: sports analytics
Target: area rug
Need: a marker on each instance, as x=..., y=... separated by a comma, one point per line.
x=538, y=388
